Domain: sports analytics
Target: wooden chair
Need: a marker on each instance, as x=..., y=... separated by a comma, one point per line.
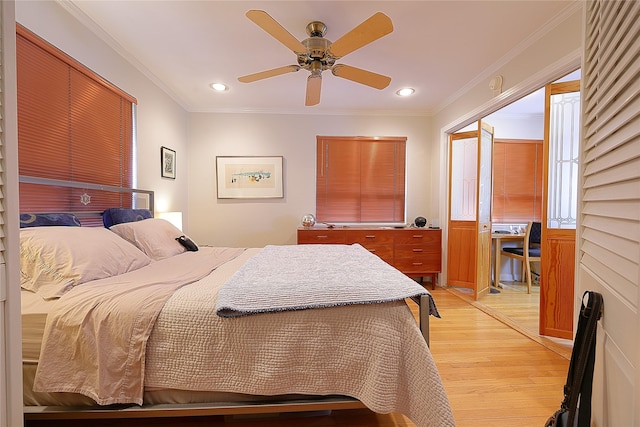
x=530, y=252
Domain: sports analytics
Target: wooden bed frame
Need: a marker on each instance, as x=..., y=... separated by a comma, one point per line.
x=312, y=404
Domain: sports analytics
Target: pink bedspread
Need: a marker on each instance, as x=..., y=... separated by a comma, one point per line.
x=372, y=352
x=95, y=338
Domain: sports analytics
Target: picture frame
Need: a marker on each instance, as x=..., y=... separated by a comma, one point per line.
x=167, y=163
x=252, y=177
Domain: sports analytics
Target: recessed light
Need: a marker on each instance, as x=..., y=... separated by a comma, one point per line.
x=219, y=87
x=405, y=91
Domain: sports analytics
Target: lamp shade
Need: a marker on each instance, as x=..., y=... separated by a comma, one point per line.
x=174, y=218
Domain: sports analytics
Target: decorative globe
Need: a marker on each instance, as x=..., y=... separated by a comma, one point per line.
x=308, y=220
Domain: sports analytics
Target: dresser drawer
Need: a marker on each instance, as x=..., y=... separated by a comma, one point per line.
x=417, y=236
x=418, y=264
x=412, y=251
x=329, y=235
x=370, y=237
x=383, y=251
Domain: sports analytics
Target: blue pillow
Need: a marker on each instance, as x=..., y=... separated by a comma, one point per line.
x=48, y=219
x=114, y=216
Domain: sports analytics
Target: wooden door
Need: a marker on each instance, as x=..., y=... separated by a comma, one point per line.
x=560, y=187
x=485, y=187
x=469, y=222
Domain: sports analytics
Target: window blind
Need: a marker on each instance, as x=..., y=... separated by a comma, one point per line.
x=610, y=227
x=517, y=180
x=72, y=125
x=360, y=179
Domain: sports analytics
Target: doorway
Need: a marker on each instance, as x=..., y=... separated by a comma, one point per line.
x=521, y=120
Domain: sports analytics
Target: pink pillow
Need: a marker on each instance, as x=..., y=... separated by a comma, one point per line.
x=155, y=237
x=55, y=259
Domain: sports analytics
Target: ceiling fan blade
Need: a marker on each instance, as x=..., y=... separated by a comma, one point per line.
x=314, y=84
x=378, y=25
x=361, y=76
x=268, y=73
x=263, y=20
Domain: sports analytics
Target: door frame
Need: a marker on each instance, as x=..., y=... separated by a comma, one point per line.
x=562, y=67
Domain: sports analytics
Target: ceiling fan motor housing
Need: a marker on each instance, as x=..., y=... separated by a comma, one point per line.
x=317, y=47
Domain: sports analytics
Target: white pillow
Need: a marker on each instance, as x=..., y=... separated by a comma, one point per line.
x=55, y=259
x=156, y=237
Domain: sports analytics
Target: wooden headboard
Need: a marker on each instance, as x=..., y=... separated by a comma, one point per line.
x=85, y=200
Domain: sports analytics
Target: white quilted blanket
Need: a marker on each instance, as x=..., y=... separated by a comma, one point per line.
x=373, y=352
x=297, y=277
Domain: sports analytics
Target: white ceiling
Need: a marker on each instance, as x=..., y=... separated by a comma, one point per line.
x=437, y=47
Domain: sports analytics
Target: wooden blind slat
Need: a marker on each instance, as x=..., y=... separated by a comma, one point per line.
x=43, y=109
x=360, y=179
x=517, y=181
x=66, y=59
x=71, y=126
x=377, y=182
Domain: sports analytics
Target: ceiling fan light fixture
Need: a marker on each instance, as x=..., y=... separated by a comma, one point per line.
x=316, y=68
x=406, y=91
x=219, y=87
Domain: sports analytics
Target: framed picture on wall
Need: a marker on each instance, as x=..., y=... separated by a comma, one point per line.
x=249, y=177
x=168, y=162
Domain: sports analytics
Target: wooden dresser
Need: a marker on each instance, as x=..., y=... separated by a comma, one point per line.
x=417, y=252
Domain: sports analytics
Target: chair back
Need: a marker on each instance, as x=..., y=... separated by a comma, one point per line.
x=535, y=235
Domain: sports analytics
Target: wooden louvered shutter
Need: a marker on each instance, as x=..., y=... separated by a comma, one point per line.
x=611, y=153
x=609, y=227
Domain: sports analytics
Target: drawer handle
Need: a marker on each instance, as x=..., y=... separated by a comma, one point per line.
x=418, y=236
x=417, y=250
x=370, y=236
x=417, y=263
x=322, y=237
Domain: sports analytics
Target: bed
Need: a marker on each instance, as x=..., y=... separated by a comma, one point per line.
x=217, y=330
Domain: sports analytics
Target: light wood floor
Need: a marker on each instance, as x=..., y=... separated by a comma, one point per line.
x=494, y=376
x=513, y=306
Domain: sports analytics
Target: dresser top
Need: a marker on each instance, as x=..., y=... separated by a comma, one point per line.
x=364, y=227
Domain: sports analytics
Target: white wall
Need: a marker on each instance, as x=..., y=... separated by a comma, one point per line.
x=538, y=62
x=199, y=137
x=516, y=126
x=161, y=121
x=236, y=222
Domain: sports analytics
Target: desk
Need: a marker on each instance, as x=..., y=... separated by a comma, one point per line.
x=498, y=239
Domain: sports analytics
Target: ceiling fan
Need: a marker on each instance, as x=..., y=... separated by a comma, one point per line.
x=317, y=54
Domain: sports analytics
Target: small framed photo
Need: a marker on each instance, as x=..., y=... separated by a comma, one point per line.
x=168, y=162
x=249, y=177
